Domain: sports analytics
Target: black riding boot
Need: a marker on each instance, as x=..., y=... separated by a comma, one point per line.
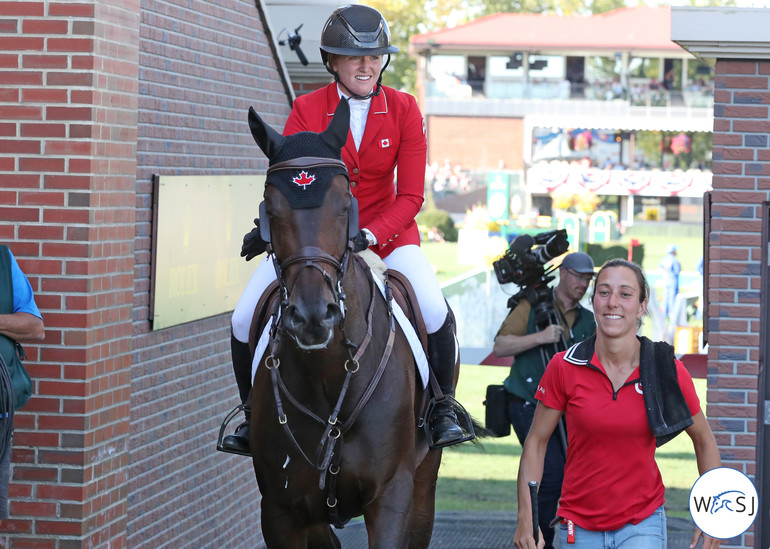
x=239, y=440
x=444, y=428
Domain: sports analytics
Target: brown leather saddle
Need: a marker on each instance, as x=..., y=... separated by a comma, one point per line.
x=403, y=294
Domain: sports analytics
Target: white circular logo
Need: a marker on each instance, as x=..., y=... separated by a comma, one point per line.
x=723, y=503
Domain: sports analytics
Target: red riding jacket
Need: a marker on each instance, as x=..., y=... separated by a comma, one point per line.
x=394, y=136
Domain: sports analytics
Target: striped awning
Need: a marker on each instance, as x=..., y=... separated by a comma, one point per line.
x=646, y=119
x=564, y=177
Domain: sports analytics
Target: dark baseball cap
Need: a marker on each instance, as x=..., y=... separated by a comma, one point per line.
x=579, y=262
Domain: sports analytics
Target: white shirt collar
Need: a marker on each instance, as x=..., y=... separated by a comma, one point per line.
x=359, y=110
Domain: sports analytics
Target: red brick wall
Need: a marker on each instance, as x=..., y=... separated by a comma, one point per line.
x=116, y=448
x=741, y=165
x=301, y=88
x=68, y=164
x=476, y=143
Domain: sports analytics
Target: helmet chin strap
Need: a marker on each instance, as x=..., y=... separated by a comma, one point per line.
x=375, y=91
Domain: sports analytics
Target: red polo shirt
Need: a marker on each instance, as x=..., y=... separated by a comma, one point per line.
x=611, y=477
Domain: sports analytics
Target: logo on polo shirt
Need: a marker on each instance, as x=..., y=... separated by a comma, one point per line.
x=723, y=503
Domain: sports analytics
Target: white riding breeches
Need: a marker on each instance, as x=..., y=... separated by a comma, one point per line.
x=244, y=310
x=408, y=260
x=412, y=263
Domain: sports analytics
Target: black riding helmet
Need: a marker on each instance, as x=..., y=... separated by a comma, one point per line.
x=356, y=30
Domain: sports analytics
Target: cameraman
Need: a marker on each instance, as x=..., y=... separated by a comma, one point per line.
x=519, y=336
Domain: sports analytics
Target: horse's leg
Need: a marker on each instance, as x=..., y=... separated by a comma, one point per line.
x=387, y=517
x=322, y=537
x=424, y=500
x=280, y=530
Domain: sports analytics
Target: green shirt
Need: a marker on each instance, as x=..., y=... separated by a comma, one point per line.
x=528, y=366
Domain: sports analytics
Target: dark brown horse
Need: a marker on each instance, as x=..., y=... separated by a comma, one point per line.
x=336, y=401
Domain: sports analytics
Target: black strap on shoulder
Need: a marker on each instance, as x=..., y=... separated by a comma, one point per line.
x=6, y=281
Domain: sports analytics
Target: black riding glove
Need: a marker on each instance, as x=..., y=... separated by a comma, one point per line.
x=360, y=242
x=253, y=245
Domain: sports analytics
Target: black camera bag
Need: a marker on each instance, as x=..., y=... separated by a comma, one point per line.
x=496, y=414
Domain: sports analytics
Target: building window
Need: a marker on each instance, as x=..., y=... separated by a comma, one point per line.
x=599, y=69
x=644, y=68
x=499, y=66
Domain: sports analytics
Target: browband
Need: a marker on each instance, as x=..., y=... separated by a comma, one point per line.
x=305, y=162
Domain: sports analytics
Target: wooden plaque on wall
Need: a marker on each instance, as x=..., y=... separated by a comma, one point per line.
x=198, y=228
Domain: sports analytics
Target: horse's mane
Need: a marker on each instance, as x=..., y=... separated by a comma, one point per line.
x=376, y=265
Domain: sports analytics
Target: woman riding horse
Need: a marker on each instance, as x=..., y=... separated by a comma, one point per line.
x=336, y=405
x=387, y=131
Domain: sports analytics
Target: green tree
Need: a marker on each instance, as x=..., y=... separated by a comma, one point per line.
x=603, y=6
x=713, y=3
x=518, y=6
x=409, y=17
x=562, y=7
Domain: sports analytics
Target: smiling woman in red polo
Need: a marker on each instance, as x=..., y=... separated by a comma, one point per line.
x=622, y=396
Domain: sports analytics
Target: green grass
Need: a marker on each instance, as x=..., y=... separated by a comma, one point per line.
x=443, y=257
x=690, y=249
x=483, y=477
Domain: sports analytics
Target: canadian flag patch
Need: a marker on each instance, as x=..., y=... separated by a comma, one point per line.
x=303, y=179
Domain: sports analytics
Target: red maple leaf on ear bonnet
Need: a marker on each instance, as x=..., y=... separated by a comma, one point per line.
x=303, y=179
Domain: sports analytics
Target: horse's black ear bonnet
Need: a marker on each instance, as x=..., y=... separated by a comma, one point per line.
x=302, y=165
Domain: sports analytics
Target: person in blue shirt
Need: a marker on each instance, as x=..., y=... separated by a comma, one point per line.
x=24, y=323
x=23, y=302
x=671, y=268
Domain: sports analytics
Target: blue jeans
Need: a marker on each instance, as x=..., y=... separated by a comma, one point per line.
x=648, y=534
x=521, y=413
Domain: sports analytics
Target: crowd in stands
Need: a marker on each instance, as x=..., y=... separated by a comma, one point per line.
x=447, y=178
x=654, y=93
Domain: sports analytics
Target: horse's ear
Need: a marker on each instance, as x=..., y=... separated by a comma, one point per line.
x=337, y=133
x=269, y=140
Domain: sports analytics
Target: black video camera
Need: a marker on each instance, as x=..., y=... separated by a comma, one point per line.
x=522, y=265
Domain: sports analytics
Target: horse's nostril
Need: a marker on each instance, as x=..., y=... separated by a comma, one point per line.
x=294, y=318
x=333, y=314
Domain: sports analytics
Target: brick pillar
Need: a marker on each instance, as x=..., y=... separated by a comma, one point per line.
x=68, y=119
x=741, y=166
